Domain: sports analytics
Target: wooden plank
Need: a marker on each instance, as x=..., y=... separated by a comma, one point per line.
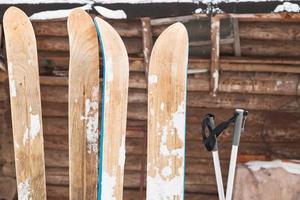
x=25, y=104
x=114, y=112
x=83, y=105
x=166, y=114
x=215, y=51
x=236, y=34
x=270, y=30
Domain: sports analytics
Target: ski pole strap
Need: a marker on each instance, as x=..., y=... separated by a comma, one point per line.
x=209, y=140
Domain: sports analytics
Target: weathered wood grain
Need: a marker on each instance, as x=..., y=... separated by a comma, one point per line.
x=25, y=104
x=83, y=106
x=166, y=114
x=114, y=102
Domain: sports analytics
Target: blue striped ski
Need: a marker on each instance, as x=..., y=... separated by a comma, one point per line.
x=114, y=112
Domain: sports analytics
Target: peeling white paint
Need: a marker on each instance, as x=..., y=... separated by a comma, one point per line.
x=157, y=125
x=91, y=118
x=162, y=106
x=152, y=79
x=108, y=186
x=167, y=171
x=35, y=125
x=12, y=82
x=24, y=190
x=178, y=120
x=152, y=111
x=164, y=189
x=122, y=153
x=12, y=87
x=109, y=75
x=25, y=136
x=288, y=166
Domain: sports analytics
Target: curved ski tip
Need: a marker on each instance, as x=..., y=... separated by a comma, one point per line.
x=103, y=23
x=13, y=13
x=78, y=12
x=78, y=16
x=177, y=28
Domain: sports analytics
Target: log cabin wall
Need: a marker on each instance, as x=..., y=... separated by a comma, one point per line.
x=258, y=64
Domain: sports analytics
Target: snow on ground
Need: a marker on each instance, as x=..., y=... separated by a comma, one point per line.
x=290, y=167
x=55, y=14
x=287, y=7
x=111, y=14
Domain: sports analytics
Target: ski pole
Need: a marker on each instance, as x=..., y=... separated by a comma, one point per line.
x=216, y=160
x=233, y=157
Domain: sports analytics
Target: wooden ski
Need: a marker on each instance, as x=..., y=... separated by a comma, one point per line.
x=166, y=115
x=114, y=112
x=25, y=102
x=83, y=105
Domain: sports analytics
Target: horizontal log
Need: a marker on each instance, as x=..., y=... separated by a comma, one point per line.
x=126, y=28
x=269, y=30
x=247, y=101
x=279, y=17
x=61, y=44
x=60, y=60
x=270, y=48
x=273, y=126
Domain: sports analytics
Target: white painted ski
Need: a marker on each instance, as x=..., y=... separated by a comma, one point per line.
x=83, y=105
x=114, y=112
x=25, y=102
x=166, y=115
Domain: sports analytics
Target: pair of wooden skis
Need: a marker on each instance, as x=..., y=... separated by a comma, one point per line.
x=166, y=109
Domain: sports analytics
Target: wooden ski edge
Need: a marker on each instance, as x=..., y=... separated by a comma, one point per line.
x=102, y=113
x=172, y=29
x=119, y=42
x=24, y=188
x=89, y=96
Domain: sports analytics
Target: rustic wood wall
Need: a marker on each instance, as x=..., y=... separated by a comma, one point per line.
x=264, y=79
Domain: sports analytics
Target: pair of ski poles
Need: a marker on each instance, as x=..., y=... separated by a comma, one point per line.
x=210, y=142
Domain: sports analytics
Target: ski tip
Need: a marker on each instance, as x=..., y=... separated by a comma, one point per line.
x=79, y=17
x=178, y=29
x=174, y=31
x=105, y=25
x=78, y=13
x=108, y=33
x=13, y=13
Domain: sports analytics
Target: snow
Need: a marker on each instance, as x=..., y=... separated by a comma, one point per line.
x=111, y=14
x=287, y=7
x=55, y=14
x=108, y=184
x=288, y=166
x=152, y=79
x=91, y=120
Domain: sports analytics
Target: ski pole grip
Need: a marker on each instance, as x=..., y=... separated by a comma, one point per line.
x=212, y=122
x=238, y=126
